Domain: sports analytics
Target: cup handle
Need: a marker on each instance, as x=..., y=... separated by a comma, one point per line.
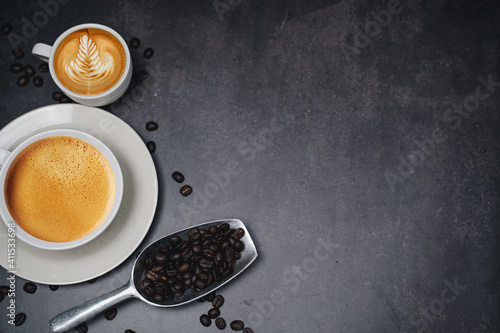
x=4, y=154
x=42, y=51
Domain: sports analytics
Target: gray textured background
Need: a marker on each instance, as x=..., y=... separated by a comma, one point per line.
x=317, y=125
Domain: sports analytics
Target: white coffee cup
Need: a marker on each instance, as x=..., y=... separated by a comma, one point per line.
x=6, y=159
x=46, y=53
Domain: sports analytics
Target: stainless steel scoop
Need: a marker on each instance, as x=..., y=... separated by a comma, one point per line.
x=133, y=288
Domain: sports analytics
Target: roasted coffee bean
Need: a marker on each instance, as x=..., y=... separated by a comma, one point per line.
x=158, y=298
x=177, y=287
x=174, y=240
x=18, y=53
x=53, y=287
x=149, y=290
x=203, y=276
x=135, y=43
x=196, y=248
x=142, y=75
x=16, y=68
x=183, y=267
x=29, y=70
x=23, y=80
x=129, y=331
x=205, y=320
x=207, y=253
x=43, y=67
x=29, y=287
x=229, y=254
x=4, y=290
x=38, y=81
x=213, y=229
x=237, y=325
x=247, y=330
x=218, y=258
x=238, y=233
x=220, y=323
x=206, y=263
x=200, y=284
x=239, y=246
x=223, y=228
x=217, y=275
x=218, y=301
x=225, y=245
x=19, y=319
x=151, y=126
x=149, y=263
x=6, y=28
x=147, y=283
x=178, y=177
x=57, y=95
x=160, y=258
x=187, y=253
x=186, y=190
x=148, y=53
x=202, y=299
x=213, y=247
x=110, y=314
x=82, y=328
x=175, y=256
x=210, y=297
x=213, y=313
x=227, y=273
x=65, y=99
x=151, y=146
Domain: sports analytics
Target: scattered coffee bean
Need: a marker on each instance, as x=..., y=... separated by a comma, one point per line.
x=38, y=81
x=129, y=331
x=205, y=320
x=237, y=325
x=151, y=146
x=151, y=126
x=148, y=53
x=16, y=68
x=220, y=323
x=82, y=328
x=29, y=287
x=178, y=177
x=18, y=53
x=4, y=289
x=247, y=330
x=211, y=297
x=29, y=70
x=218, y=301
x=53, y=287
x=43, y=67
x=186, y=190
x=23, y=80
x=19, y=319
x=110, y=314
x=65, y=99
x=238, y=233
x=135, y=43
x=57, y=95
x=142, y=75
x=6, y=29
x=213, y=313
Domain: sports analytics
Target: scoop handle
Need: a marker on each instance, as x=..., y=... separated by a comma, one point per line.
x=81, y=313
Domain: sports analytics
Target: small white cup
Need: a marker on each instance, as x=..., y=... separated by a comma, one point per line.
x=6, y=158
x=46, y=53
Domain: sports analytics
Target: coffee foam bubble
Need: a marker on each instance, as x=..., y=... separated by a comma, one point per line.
x=60, y=189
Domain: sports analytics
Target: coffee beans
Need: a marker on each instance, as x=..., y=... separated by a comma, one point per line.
x=151, y=126
x=178, y=177
x=135, y=43
x=23, y=80
x=182, y=264
x=29, y=287
x=4, y=289
x=218, y=301
x=220, y=323
x=110, y=314
x=151, y=146
x=43, y=68
x=16, y=68
x=186, y=190
x=29, y=70
x=142, y=75
x=19, y=319
x=65, y=99
x=214, y=313
x=205, y=320
x=148, y=53
x=129, y=331
x=82, y=328
x=247, y=330
x=237, y=325
x=6, y=29
x=53, y=287
x=38, y=81
x=18, y=53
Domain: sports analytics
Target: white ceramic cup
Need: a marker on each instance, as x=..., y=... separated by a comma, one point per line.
x=46, y=53
x=6, y=158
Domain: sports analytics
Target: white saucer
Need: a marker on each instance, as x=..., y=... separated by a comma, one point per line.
x=133, y=220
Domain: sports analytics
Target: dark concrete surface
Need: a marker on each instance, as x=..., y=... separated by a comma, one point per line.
x=368, y=168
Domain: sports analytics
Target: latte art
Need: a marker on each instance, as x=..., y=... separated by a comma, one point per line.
x=89, y=61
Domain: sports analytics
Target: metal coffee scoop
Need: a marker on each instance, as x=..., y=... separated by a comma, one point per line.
x=133, y=288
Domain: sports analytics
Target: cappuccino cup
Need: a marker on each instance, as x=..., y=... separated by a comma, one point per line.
x=90, y=63
x=59, y=189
